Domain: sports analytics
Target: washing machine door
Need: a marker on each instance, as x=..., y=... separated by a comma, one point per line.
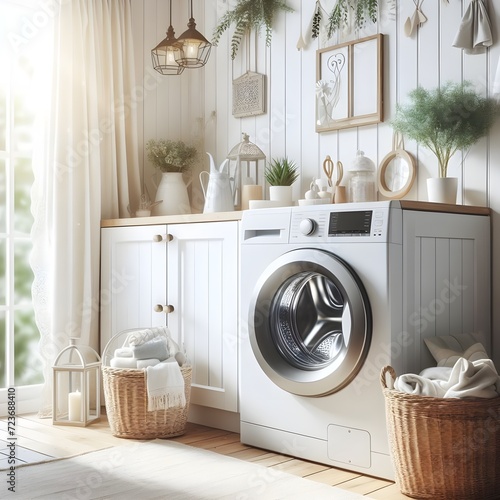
x=310, y=322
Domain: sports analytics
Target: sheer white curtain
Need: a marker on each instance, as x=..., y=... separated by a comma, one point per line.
x=86, y=170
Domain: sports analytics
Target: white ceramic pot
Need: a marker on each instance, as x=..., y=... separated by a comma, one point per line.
x=442, y=190
x=172, y=190
x=282, y=194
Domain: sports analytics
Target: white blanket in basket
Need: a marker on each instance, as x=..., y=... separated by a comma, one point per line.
x=165, y=386
x=465, y=379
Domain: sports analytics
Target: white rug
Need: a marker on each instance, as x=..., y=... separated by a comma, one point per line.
x=164, y=469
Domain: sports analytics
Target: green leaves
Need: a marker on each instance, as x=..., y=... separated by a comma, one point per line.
x=281, y=172
x=362, y=10
x=249, y=15
x=316, y=23
x=446, y=119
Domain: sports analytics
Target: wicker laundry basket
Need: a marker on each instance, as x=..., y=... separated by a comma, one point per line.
x=443, y=448
x=125, y=395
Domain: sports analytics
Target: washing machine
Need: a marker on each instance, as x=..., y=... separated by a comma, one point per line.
x=332, y=293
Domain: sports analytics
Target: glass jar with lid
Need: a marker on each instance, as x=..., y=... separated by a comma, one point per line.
x=362, y=179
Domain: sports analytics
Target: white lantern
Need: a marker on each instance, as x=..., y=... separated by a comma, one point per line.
x=247, y=156
x=76, y=388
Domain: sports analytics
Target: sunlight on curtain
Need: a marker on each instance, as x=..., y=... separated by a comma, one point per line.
x=86, y=170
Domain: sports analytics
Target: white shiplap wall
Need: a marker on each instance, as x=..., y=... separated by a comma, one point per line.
x=196, y=106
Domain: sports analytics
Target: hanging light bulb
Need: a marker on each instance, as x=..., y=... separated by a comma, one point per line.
x=195, y=48
x=166, y=53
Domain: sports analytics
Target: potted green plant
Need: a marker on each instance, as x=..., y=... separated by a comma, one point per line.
x=246, y=16
x=280, y=174
x=171, y=158
x=446, y=120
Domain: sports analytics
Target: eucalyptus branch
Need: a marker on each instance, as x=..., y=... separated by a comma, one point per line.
x=363, y=11
x=316, y=23
x=246, y=16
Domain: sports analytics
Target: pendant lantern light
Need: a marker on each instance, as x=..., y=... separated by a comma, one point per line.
x=166, y=53
x=195, y=48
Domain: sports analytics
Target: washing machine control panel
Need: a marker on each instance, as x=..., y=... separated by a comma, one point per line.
x=336, y=225
x=307, y=226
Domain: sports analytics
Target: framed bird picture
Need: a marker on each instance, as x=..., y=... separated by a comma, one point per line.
x=349, y=84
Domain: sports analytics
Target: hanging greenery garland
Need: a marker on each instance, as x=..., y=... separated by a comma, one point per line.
x=362, y=9
x=246, y=16
x=316, y=22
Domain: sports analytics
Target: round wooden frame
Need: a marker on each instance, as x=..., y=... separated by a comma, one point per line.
x=382, y=184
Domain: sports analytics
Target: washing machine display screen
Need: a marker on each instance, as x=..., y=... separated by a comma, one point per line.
x=350, y=223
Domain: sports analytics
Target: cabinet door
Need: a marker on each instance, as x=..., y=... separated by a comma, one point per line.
x=133, y=278
x=202, y=286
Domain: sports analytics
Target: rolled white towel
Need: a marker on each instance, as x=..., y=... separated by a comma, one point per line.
x=153, y=349
x=180, y=357
x=123, y=363
x=140, y=337
x=172, y=347
x=124, y=352
x=144, y=363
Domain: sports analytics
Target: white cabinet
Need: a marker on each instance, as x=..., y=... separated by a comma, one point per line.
x=133, y=278
x=192, y=268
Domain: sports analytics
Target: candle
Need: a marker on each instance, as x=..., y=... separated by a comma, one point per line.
x=75, y=406
x=171, y=58
x=250, y=192
x=191, y=49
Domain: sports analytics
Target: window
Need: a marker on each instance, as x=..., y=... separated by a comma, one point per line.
x=23, y=46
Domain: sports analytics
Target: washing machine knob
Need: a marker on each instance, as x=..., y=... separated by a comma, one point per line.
x=307, y=226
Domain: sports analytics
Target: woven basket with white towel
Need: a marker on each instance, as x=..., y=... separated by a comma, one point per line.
x=149, y=396
x=443, y=447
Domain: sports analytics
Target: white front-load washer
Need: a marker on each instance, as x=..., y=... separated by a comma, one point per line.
x=329, y=295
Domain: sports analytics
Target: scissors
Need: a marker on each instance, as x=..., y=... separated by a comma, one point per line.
x=328, y=168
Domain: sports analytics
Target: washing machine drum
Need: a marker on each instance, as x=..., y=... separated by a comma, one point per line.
x=310, y=322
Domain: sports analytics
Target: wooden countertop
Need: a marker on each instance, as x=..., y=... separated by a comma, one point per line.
x=236, y=216
x=427, y=206
x=172, y=219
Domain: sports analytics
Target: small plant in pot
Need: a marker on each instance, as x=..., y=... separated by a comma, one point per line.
x=280, y=174
x=446, y=120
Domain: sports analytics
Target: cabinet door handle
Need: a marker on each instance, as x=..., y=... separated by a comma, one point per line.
x=162, y=237
x=166, y=309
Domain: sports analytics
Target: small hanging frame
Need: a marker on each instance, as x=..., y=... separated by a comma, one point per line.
x=249, y=90
x=249, y=95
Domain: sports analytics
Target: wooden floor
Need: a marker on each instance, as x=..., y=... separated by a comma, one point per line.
x=38, y=439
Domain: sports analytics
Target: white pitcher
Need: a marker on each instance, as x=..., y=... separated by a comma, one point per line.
x=216, y=186
x=172, y=192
